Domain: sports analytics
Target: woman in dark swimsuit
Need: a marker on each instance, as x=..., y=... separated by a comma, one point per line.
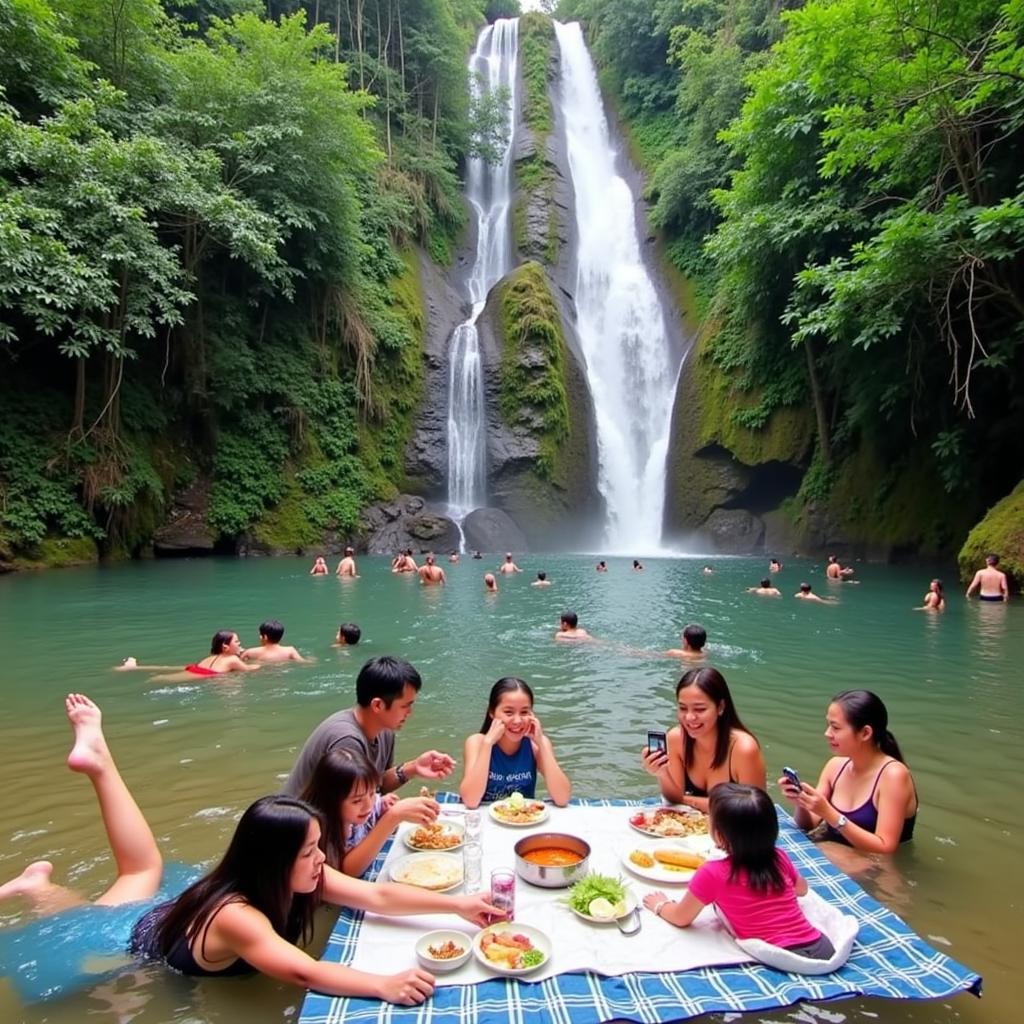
x=710, y=744
x=247, y=914
x=866, y=795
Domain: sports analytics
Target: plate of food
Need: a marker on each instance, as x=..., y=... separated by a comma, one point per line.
x=444, y=950
x=600, y=899
x=667, y=863
x=518, y=811
x=443, y=834
x=512, y=949
x=436, y=871
x=669, y=822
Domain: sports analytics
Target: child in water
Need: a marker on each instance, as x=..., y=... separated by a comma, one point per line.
x=755, y=888
x=510, y=749
x=357, y=819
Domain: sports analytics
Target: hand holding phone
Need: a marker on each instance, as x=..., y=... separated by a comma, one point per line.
x=657, y=742
x=790, y=775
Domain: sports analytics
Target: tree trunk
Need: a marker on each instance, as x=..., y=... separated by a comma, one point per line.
x=824, y=443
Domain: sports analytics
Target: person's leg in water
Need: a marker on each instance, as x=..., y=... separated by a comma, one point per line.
x=139, y=864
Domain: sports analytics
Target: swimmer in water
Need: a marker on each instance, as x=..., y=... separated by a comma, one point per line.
x=934, y=600
x=765, y=589
x=271, y=650
x=348, y=635
x=569, y=628
x=430, y=573
x=224, y=657
x=707, y=570
x=694, y=639
x=990, y=582
x=490, y=583
x=508, y=566
x=541, y=580
x=601, y=566
x=806, y=594
x=637, y=567
x=775, y=565
x=347, y=566
x=835, y=571
x=319, y=568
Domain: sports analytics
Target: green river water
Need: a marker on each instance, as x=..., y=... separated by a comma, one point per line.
x=196, y=754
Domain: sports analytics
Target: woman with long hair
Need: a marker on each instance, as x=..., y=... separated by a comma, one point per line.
x=710, y=745
x=865, y=795
x=511, y=750
x=247, y=914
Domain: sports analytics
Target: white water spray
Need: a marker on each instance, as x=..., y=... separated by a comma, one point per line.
x=630, y=368
x=493, y=65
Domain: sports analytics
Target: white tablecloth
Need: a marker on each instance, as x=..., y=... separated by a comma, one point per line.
x=388, y=943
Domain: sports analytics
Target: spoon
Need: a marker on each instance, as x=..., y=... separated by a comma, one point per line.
x=630, y=924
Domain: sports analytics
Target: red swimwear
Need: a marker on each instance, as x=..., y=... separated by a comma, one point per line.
x=198, y=670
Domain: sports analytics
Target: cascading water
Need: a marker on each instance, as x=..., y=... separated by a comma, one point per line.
x=492, y=66
x=630, y=368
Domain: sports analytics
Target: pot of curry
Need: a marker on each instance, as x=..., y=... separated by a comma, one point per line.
x=552, y=860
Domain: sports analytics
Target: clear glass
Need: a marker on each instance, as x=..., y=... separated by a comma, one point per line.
x=472, y=867
x=474, y=824
x=503, y=891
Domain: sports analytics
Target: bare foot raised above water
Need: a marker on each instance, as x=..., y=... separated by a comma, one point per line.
x=32, y=881
x=90, y=753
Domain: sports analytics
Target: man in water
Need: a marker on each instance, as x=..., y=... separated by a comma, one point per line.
x=601, y=566
x=348, y=635
x=569, y=629
x=490, y=583
x=805, y=594
x=508, y=566
x=271, y=650
x=991, y=581
x=835, y=571
x=765, y=589
x=431, y=574
x=541, y=580
x=707, y=570
x=386, y=690
x=694, y=639
x=347, y=566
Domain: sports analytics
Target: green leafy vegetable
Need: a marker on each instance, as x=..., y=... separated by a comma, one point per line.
x=590, y=888
x=531, y=958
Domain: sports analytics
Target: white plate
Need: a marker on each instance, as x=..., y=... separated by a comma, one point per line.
x=647, y=812
x=438, y=939
x=537, y=939
x=631, y=905
x=448, y=866
x=454, y=827
x=660, y=872
x=541, y=815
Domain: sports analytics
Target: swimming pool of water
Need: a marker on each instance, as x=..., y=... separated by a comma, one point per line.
x=196, y=754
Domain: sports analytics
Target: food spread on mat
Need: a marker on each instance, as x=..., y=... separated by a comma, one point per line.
x=517, y=810
x=665, y=821
x=510, y=949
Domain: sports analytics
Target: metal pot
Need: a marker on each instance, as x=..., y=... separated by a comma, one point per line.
x=551, y=877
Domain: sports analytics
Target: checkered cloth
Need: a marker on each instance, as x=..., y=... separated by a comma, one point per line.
x=888, y=960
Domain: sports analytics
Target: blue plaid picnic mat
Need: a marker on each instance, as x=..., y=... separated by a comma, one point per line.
x=888, y=960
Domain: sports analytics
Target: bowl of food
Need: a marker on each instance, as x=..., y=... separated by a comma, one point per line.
x=552, y=860
x=443, y=950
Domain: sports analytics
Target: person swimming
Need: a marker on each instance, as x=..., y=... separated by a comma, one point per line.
x=570, y=629
x=271, y=650
x=348, y=635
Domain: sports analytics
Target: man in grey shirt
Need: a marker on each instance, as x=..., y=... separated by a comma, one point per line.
x=386, y=690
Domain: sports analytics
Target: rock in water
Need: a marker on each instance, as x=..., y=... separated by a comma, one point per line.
x=490, y=529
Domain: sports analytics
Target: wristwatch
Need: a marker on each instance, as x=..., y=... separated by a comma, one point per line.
x=841, y=822
x=403, y=778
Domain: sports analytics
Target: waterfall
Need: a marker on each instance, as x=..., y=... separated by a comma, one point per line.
x=492, y=65
x=629, y=365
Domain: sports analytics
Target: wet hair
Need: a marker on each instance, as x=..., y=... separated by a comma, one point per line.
x=385, y=677
x=570, y=619
x=861, y=708
x=765, y=583
x=542, y=575
x=350, y=633
x=743, y=819
x=272, y=630
x=508, y=684
x=805, y=588
x=712, y=684
x=429, y=560
x=256, y=869
x=489, y=579
x=349, y=552
x=696, y=636
x=937, y=584
x=992, y=559
x=337, y=775
x=635, y=563
x=221, y=639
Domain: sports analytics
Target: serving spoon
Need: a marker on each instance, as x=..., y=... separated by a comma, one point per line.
x=630, y=924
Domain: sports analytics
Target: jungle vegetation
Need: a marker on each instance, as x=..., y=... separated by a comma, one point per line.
x=208, y=214
x=844, y=181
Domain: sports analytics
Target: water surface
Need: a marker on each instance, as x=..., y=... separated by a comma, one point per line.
x=196, y=754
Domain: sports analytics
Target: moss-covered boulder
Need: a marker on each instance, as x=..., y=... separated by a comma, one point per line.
x=541, y=448
x=51, y=553
x=1001, y=532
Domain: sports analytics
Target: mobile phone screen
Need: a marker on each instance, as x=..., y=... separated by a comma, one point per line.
x=792, y=776
x=657, y=741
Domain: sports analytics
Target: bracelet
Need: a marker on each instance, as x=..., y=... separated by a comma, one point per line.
x=400, y=774
x=658, y=908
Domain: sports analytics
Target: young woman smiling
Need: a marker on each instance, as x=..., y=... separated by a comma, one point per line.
x=710, y=744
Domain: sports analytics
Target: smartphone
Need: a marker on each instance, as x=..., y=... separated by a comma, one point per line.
x=791, y=776
x=657, y=742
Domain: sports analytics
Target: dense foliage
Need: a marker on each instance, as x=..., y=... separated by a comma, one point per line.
x=205, y=207
x=844, y=181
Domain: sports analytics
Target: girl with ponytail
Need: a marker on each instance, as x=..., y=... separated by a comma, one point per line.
x=865, y=795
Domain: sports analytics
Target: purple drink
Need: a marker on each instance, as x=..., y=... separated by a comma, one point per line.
x=503, y=891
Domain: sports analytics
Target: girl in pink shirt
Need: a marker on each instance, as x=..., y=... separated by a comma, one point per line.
x=755, y=888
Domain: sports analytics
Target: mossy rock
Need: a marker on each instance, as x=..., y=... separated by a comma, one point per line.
x=536, y=48
x=58, y=553
x=1000, y=532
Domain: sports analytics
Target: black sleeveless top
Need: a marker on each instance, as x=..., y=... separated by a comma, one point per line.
x=143, y=943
